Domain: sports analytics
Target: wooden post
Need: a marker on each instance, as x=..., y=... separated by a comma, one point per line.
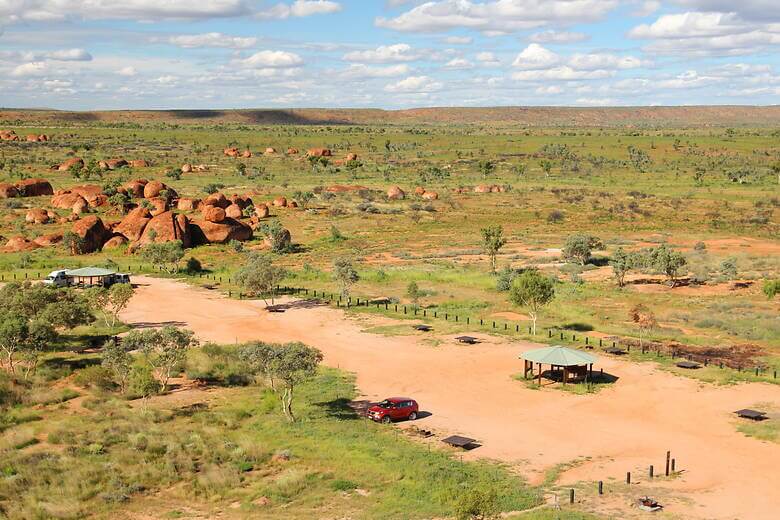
x=651, y=471
x=571, y=496
x=565, y=375
x=540, y=374
x=601, y=487
x=628, y=477
x=668, y=455
x=672, y=465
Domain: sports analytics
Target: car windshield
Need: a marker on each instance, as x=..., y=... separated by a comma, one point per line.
x=386, y=404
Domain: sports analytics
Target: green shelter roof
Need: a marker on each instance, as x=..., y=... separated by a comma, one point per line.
x=89, y=271
x=559, y=356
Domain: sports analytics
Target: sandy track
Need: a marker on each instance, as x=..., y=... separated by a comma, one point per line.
x=469, y=390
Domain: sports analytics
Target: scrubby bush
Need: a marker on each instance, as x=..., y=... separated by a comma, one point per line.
x=142, y=382
x=97, y=377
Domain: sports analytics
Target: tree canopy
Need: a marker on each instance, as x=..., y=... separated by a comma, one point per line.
x=532, y=290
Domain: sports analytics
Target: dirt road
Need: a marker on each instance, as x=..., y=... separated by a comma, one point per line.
x=469, y=391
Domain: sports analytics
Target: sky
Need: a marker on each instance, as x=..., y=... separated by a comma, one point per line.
x=154, y=54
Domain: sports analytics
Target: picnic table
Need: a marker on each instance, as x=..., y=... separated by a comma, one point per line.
x=690, y=365
x=459, y=442
x=423, y=328
x=467, y=339
x=754, y=415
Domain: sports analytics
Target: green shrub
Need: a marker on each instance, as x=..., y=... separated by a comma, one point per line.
x=97, y=377
x=143, y=383
x=477, y=503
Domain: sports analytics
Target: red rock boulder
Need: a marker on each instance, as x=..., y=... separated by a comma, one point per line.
x=135, y=189
x=72, y=163
x=153, y=189
x=34, y=187
x=246, y=154
x=167, y=227
x=187, y=204
x=395, y=193
x=37, y=216
x=419, y=190
x=262, y=211
x=48, y=240
x=430, y=195
x=92, y=232
x=351, y=157
x=217, y=199
x=134, y=223
x=115, y=242
x=213, y=213
x=19, y=244
x=66, y=200
x=8, y=191
x=319, y=152
x=292, y=151
x=205, y=232
x=280, y=202
x=234, y=211
x=139, y=163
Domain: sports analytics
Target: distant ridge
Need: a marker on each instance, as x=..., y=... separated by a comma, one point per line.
x=657, y=117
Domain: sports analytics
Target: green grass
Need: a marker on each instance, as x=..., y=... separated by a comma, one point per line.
x=767, y=430
x=228, y=452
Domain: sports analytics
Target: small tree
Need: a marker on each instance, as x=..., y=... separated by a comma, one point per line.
x=667, y=261
x=260, y=276
x=344, y=275
x=166, y=255
x=164, y=349
x=621, y=263
x=293, y=364
x=303, y=198
x=413, y=293
x=533, y=291
x=578, y=248
x=73, y=243
x=771, y=288
x=257, y=357
x=644, y=319
x=492, y=242
x=117, y=359
x=111, y=301
x=547, y=166
x=277, y=237
x=486, y=168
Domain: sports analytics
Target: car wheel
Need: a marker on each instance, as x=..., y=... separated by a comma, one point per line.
x=386, y=419
x=413, y=416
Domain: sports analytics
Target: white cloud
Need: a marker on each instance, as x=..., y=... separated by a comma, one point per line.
x=558, y=37
x=212, y=39
x=549, y=90
x=415, y=84
x=496, y=17
x=361, y=71
x=13, y=11
x=36, y=68
x=384, y=54
x=706, y=33
x=458, y=64
x=271, y=60
x=647, y=8
x=563, y=73
x=58, y=55
x=300, y=8
x=757, y=10
x=604, y=61
x=458, y=40
x=597, y=102
x=128, y=71
x=488, y=59
x=535, y=57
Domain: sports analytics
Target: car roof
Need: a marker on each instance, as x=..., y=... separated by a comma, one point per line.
x=398, y=399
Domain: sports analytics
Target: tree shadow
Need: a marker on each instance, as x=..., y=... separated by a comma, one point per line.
x=344, y=409
x=70, y=363
x=157, y=324
x=577, y=327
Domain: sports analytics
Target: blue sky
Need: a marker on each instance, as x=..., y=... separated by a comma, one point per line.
x=110, y=54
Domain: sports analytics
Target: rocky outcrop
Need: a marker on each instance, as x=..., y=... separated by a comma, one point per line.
x=292, y=151
x=395, y=193
x=139, y=163
x=166, y=227
x=48, y=240
x=231, y=152
x=213, y=213
x=135, y=189
x=430, y=195
x=37, y=216
x=134, y=223
x=234, y=211
x=159, y=205
x=419, y=190
x=217, y=199
x=280, y=202
x=246, y=154
x=243, y=201
x=115, y=242
x=19, y=244
x=187, y=204
x=153, y=189
x=92, y=232
x=319, y=152
x=186, y=168
x=92, y=194
x=67, y=199
x=72, y=163
x=262, y=211
x=8, y=191
x=205, y=232
x=34, y=187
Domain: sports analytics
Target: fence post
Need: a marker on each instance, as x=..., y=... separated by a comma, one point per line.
x=628, y=477
x=549, y=333
x=651, y=471
x=668, y=460
x=469, y=319
x=601, y=487
x=571, y=496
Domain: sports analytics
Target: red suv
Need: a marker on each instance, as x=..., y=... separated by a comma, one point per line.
x=393, y=409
